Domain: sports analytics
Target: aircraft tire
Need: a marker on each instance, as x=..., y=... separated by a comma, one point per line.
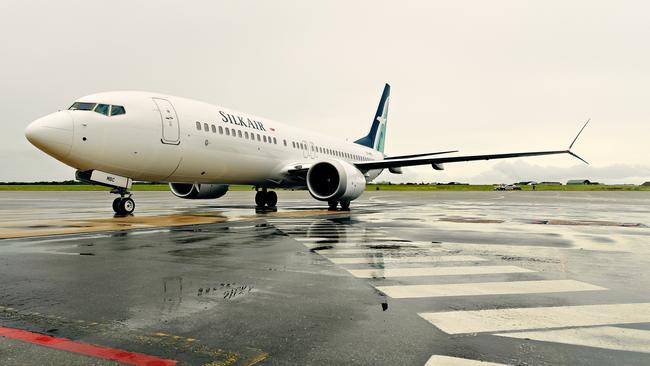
x=127, y=206
x=260, y=198
x=271, y=198
x=345, y=205
x=116, y=205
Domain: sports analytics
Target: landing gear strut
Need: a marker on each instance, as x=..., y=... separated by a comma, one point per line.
x=123, y=205
x=266, y=199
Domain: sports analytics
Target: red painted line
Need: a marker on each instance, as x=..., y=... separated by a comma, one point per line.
x=125, y=357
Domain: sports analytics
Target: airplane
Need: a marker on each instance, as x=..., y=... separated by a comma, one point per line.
x=115, y=138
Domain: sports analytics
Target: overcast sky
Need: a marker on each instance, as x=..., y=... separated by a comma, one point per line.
x=478, y=76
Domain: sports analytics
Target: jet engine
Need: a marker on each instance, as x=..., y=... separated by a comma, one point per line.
x=198, y=191
x=335, y=180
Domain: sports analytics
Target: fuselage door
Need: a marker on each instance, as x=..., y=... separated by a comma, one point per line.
x=169, y=119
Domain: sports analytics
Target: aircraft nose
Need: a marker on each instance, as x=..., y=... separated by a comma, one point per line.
x=52, y=134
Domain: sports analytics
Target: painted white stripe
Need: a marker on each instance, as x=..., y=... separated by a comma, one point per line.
x=437, y=360
x=312, y=239
x=622, y=339
x=499, y=320
x=435, y=271
x=364, y=244
x=486, y=288
x=414, y=259
x=335, y=230
x=384, y=251
x=341, y=238
x=334, y=235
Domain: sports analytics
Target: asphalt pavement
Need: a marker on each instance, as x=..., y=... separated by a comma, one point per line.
x=407, y=278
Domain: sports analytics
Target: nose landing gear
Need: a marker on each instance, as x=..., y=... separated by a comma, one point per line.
x=123, y=205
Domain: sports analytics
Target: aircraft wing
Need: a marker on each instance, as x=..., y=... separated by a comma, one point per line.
x=437, y=162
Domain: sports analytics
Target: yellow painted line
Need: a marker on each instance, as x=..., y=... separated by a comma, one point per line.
x=256, y=359
x=46, y=227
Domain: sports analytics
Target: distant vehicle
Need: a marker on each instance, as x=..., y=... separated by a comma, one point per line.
x=507, y=187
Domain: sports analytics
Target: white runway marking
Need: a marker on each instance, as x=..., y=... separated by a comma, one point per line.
x=342, y=238
x=375, y=244
x=437, y=360
x=622, y=339
x=436, y=271
x=414, y=259
x=384, y=251
x=311, y=239
x=486, y=288
x=500, y=320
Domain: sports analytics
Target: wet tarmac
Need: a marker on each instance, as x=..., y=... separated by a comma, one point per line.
x=440, y=278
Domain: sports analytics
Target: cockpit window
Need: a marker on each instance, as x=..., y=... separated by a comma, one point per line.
x=117, y=109
x=99, y=108
x=102, y=108
x=82, y=106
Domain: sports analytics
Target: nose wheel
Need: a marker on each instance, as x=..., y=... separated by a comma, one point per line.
x=123, y=205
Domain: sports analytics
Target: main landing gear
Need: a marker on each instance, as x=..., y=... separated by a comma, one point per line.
x=123, y=205
x=266, y=199
x=345, y=205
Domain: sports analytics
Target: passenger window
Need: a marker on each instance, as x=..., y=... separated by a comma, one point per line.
x=102, y=108
x=293, y=144
x=234, y=133
x=82, y=106
x=239, y=133
x=117, y=110
x=214, y=129
x=285, y=142
x=246, y=135
x=198, y=126
x=259, y=138
x=264, y=137
x=220, y=130
x=227, y=131
x=275, y=141
x=206, y=127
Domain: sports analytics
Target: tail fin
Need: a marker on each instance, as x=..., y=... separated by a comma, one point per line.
x=375, y=138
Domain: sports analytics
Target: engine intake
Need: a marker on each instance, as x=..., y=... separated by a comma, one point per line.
x=198, y=191
x=335, y=180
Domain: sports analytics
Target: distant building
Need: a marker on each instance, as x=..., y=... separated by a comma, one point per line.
x=550, y=183
x=574, y=182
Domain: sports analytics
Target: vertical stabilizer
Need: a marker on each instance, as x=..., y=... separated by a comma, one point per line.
x=375, y=138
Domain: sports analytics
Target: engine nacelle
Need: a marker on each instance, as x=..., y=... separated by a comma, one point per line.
x=335, y=180
x=198, y=191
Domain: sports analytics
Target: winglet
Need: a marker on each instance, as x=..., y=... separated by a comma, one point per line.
x=578, y=135
x=577, y=157
x=574, y=141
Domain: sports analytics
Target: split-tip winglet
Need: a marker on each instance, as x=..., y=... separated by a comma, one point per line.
x=574, y=141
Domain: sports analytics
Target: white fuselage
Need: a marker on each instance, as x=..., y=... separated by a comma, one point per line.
x=170, y=139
